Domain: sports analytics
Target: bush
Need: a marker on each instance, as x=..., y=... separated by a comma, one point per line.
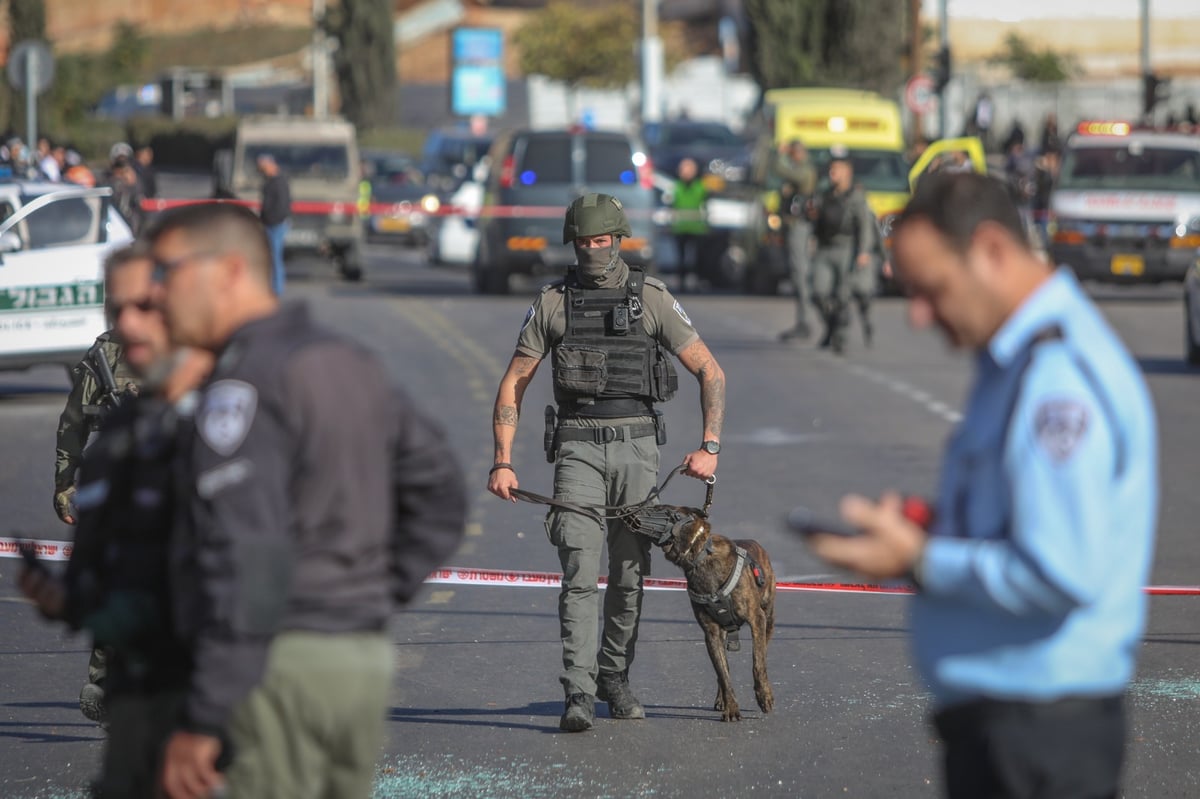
x=407, y=140
x=92, y=138
x=187, y=144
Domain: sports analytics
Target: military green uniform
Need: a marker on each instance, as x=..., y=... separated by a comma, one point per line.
x=86, y=405
x=796, y=182
x=616, y=464
x=845, y=229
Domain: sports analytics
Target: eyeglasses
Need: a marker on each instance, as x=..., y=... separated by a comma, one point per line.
x=144, y=305
x=164, y=268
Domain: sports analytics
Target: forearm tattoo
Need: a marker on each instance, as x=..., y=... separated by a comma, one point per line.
x=712, y=397
x=506, y=415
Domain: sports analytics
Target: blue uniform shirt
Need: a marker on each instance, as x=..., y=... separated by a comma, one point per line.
x=1032, y=579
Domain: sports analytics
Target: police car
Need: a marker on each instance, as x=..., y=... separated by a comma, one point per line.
x=1123, y=206
x=53, y=241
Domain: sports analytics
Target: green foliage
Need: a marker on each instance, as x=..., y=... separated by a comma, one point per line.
x=26, y=20
x=1029, y=63
x=853, y=43
x=127, y=56
x=581, y=46
x=365, y=60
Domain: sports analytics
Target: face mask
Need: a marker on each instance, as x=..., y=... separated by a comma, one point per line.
x=596, y=262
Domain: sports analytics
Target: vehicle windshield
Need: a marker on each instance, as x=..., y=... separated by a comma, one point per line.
x=311, y=161
x=698, y=135
x=1131, y=167
x=875, y=170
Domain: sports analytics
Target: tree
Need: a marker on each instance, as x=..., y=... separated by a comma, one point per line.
x=581, y=46
x=855, y=43
x=365, y=60
x=1032, y=64
x=26, y=20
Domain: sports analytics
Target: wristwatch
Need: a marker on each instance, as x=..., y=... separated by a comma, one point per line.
x=711, y=447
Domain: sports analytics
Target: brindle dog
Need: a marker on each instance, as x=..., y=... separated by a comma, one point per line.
x=708, y=560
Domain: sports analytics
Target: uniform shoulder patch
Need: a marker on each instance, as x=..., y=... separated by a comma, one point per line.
x=1060, y=424
x=528, y=316
x=682, y=313
x=226, y=414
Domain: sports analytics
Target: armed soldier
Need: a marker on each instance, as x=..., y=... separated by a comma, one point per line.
x=608, y=329
x=846, y=234
x=115, y=585
x=797, y=184
x=99, y=383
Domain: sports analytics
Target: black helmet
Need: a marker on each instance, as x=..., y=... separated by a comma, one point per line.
x=595, y=215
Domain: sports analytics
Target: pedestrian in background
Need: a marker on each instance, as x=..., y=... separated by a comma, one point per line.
x=315, y=496
x=143, y=164
x=846, y=233
x=115, y=585
x=689, y=226
x=276, y=212
x=126, y=193
x=794, y=177
x=1029, y=609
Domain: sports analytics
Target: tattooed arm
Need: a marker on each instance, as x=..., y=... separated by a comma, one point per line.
x=697, y=359
x=521, y=370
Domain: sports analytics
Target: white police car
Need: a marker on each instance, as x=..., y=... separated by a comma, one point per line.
x=53, y=241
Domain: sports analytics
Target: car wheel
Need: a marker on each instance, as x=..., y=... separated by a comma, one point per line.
x=488, y=277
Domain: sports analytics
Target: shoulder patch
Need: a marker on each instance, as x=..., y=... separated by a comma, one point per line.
x=528, y=316
x=682, y=313
x=1060, y=425
x=226, y=414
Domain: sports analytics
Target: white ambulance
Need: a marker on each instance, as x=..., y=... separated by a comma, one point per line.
x=53, y=241
x=1126, y=204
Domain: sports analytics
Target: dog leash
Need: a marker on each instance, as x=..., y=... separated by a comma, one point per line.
x=604, y=512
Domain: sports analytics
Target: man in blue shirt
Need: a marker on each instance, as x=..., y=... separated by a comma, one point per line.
x=1030, y=607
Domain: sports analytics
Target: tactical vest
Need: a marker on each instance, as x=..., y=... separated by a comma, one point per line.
x=606, y=365
x=835, y=217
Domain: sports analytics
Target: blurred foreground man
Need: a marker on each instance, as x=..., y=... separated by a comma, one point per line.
x=1030, y=608
x=316, y=498
x=115, y=585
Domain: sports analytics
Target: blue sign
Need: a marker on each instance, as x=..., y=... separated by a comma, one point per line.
x=475, y=45
x=477, y=81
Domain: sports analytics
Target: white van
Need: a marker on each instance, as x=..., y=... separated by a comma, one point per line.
x=53, y=242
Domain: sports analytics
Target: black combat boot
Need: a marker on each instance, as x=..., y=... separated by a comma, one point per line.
x=580, y=713
x=613, y=687
x=91, y=702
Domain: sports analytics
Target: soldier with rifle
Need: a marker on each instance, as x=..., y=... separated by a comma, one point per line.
x=98, y=384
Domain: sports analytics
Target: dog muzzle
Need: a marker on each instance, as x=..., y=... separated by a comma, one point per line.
x=659, y=523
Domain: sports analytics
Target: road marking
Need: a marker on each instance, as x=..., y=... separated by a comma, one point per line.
x=439, y=597
x=775, y=437
x=475, y=528
x=898, y=387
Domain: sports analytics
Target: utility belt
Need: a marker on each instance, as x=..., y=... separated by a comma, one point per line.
x=555, y=433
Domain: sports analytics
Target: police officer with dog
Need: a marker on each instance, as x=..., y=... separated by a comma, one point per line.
x=610, y=332
x=846, y=231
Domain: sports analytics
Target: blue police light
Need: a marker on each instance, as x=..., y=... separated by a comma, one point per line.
x=529, y=177
x=627, y=177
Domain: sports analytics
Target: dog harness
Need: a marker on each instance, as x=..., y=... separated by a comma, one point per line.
x=719, y=606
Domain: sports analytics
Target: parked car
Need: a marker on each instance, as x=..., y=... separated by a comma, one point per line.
x=449, y=155
x=715, y=148
x=53, y=242
x=456, y=234
x=395, y=182
x=534, y=177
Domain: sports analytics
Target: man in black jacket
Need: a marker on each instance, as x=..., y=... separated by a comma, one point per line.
x=316, y=497
x=275, y=211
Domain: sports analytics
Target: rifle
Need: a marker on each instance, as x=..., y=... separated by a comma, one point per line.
x=98, y=365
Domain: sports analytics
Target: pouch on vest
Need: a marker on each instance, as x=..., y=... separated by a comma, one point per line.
x=580, y=370
x=831, y=216
x=666, y=379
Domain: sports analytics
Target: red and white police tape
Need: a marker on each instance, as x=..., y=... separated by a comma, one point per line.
x=61, y=550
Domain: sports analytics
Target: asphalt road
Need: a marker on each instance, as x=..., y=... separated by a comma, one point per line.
x=476, y=701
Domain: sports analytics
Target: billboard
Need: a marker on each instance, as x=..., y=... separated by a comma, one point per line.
x=477, y=82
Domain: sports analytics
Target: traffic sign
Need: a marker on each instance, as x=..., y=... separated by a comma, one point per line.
x=31, y=58
x=919, y=94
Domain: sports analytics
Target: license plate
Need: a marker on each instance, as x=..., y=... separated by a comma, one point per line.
x=391, y=224
x=1130, y=265
x=302, y=238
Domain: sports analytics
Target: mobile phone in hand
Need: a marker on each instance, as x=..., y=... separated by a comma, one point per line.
x=803, y=521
